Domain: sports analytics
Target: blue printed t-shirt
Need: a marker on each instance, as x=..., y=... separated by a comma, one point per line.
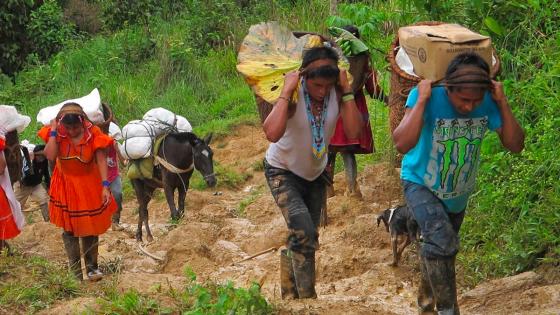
x=446, y=157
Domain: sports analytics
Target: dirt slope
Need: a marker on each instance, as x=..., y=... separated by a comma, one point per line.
x=353, y=276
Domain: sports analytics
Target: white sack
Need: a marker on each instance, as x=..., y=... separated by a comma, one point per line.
x=183, y=124
x=91, y=104
x=115, y=132
x=136, y=148
x=138, y=128
x=11, y=120
x=161, y=118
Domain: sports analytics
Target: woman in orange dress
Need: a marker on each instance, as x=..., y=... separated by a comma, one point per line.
x=11, y=218
x=80, y=199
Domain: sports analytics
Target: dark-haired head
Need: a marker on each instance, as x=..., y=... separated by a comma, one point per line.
x=353, y=30
x=468, y=70
x=71, y=120
x=320, y=62
x=467, y=79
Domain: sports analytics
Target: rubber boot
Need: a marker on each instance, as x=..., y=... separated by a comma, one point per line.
x=45, y=212
x=304, y=274
x=441, y=273
x=72, y=246
x=287, y=280
x=426, y=302
x=90, y=245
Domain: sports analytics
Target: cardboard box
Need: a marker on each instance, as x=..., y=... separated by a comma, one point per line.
x=431, y=48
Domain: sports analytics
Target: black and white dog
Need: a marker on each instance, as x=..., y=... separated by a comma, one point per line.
x=399, y=221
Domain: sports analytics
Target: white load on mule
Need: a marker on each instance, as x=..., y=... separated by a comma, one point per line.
x=139, y=135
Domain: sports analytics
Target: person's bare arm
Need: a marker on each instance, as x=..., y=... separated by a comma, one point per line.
x=511, y=134
x=351, y=117
x=51, y=148
x=101, y=158
x=274, y=125
x=407, y=133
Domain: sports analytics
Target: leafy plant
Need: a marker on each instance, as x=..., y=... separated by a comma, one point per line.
x=47, y=30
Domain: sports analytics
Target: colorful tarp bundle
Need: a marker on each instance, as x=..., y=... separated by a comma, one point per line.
x=270, y=51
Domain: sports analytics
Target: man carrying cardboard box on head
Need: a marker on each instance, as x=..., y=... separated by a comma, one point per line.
x=432, y=47
x=440, y=136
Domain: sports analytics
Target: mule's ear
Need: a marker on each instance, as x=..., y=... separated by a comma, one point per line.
x=208, y=138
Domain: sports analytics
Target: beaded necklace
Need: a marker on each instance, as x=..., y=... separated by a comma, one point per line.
x=317, y=123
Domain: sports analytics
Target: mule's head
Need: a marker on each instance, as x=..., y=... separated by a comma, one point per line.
x=203, y=154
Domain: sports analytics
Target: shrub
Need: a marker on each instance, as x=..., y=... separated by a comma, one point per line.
x=85, y=15
x=47, y=30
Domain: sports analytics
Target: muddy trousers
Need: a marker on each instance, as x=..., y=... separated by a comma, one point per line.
x=301, y=202
x=350, y=170
x=90, y=246
x=440, y=244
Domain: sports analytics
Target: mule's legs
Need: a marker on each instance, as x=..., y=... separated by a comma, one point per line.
x=170, y=197
x=182, y=196
x=148, y=196
x=143, y=196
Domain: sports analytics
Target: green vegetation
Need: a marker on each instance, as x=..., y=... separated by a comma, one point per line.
x=182, y=56
x=255, y=193
x=29, y=284
x=512, y=224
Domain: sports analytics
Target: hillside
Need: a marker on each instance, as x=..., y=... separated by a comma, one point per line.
x=354, y=276
x=181, y=55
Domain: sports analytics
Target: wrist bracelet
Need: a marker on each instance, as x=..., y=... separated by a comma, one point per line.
x=347, y=97
x=284, y=98
x=106, y=183
x=53, y=133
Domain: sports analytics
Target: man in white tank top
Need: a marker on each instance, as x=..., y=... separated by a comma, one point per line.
x=296, y=159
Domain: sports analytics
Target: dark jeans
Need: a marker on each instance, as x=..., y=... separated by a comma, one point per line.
x=439, y=228
x=301, y=202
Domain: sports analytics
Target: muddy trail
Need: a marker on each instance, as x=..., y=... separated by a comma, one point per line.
x=224, y=226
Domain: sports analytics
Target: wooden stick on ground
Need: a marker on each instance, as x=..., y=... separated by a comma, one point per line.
x=272, y=249
x=145, y=252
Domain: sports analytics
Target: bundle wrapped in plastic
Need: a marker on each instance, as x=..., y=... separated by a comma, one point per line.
x=268, y=52
x=115, y=131
x=183, y=125
x=138, y=137
x=138, y=128
x=161, y=119
x=136, y=148
x=91, y=104
x=11, y=120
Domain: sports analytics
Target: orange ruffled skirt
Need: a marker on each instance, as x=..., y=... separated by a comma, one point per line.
x=8, y=227
x=76, y=203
